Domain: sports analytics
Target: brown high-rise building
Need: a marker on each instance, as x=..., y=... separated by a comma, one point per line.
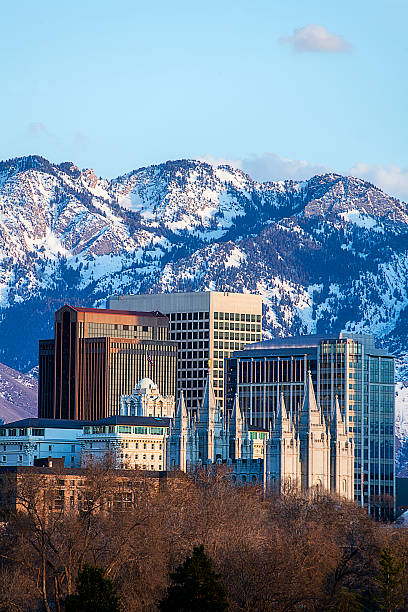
x=99, y=355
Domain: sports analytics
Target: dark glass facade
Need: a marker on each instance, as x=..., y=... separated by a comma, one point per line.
x=348, y=366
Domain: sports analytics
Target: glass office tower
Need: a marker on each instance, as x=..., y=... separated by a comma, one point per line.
x=348, y=366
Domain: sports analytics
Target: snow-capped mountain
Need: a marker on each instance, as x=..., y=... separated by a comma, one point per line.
x=18, y=395
x=327, y=254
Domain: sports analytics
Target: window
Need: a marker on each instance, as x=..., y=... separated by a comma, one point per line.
x=50, y=447
x=125, y=429
x=98, y=429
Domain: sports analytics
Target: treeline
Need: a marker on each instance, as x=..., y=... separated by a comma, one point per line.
x=270, y=554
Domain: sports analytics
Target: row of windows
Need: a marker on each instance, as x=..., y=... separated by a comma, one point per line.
x=102, y=429
x=231, y=345
x=258, y=435
x=190, y=326
x=136, y=457
x=23, y=432
x=235, y=316
x=184, y=316
x=237, y=326
x=235, y=336
x=184, y=335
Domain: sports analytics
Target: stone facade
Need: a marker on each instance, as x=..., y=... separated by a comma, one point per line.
x=146, y=400
x=301, y=451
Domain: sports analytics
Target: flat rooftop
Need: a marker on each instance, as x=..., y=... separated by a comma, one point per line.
x=307, y=342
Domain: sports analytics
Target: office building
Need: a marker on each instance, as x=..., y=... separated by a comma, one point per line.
x=133, y=442
x=347, y=368
x=98, y=356
x=27, y=441
x=207, y=326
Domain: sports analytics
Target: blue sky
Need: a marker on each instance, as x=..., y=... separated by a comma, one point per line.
x=281, y=89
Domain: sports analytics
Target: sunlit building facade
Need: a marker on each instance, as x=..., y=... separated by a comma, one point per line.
x=99, y=355
x=346, y=366
x=208, y=327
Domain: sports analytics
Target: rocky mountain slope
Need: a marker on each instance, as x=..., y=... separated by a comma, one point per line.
x=329, y=253
x=18, y=395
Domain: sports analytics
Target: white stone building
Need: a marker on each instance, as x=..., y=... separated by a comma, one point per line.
x=23, y=442
x=300, y=452
x=132, y=441
x=146, y=400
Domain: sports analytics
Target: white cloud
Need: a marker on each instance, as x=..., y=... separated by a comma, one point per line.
x=316, y=38
x=272, y=167
x=392, y=179
x=221, y=161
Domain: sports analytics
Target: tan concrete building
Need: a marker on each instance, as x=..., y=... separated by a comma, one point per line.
x=207, y=326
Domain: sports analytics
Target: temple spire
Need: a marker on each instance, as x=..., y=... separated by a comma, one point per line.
x=236, y=424
x=310, y=413
x=338, y=425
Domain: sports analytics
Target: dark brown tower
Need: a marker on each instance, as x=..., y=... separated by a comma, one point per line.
x=99, y=355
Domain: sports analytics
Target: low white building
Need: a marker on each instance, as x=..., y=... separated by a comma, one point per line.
x=22, y=442
x=146, y=400
x=134, y=442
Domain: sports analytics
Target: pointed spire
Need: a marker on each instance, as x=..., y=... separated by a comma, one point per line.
x=209, y=403
x=181, y=417
x=337, y=420
x=282, y=423
x=236, y=417
x=310, y=413
x=282, y=407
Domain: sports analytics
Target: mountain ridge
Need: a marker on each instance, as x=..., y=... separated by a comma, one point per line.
x=65, y=231
x=328, y=253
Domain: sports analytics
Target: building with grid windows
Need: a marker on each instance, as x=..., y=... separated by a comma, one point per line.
x=133, y=441
x=208, y=326
x=347, y=368
x=98, y=356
